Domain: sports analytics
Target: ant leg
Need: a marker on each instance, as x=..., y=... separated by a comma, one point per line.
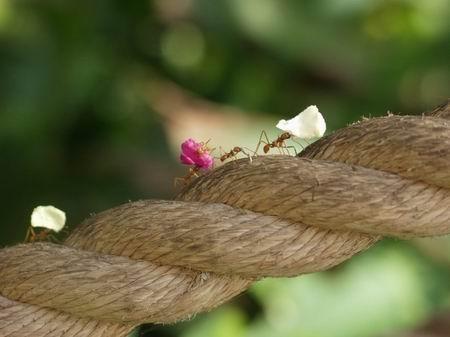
x=205, y=144
x=282, y=147
x=261, y=141
x=183, y=181
x=290, y=147
x=28, y=234
x=193, y=172
x=299, y=144
x=31, y=235
x=212, y=150
x=221, y=153
x=247, y=154
x=244, y=149
x=234, y=156
x=64, y=233
x=177, y=181
x=53, y=238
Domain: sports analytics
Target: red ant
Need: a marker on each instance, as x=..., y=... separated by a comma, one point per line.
x=43, y=234
x=197, y=167
x=279, y=143
x=193, y=172
x=233, y=153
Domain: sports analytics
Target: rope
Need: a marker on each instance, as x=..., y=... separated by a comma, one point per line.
x=164, y=261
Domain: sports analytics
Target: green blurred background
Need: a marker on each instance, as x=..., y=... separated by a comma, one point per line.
x=96, y=95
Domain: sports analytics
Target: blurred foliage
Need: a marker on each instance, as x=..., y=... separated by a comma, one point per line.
x=79, y=128
x=386, y=289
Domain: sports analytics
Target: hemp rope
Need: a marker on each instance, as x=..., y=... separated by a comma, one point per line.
x=164, y=261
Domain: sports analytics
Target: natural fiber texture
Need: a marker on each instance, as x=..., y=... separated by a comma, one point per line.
x=164, y=261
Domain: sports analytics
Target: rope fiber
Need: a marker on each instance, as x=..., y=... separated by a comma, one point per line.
x=156, y=261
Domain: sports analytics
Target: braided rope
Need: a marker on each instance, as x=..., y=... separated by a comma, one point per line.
x=164, y=261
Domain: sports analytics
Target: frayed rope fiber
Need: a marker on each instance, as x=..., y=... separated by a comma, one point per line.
x=164, y=261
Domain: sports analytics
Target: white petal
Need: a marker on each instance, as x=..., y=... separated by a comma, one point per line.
x=48, y=217
x=307, y=124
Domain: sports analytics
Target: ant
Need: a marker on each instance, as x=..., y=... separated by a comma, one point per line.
x=193, y=172
x=234, y=152
x=279, y=143
x=44, y=234
x=193, y=151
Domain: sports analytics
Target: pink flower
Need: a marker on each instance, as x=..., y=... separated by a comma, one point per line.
x=193, y=153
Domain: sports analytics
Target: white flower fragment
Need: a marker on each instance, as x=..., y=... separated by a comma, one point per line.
x=307, y=124
x=48, y=217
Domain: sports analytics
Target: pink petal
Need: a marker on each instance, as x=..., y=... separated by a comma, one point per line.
x=205, y=161
x=186, y=160
x=190, y=147
x=191, y=155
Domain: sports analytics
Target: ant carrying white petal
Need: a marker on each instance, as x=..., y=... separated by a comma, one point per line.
x=49, y=220
x=306, y=125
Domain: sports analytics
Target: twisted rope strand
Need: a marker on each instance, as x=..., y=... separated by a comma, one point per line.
x=328, y=194
x=163, y=261
x=22, y=319
x=219, y=239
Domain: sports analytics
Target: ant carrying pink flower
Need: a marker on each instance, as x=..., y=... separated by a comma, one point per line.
x=197, y=155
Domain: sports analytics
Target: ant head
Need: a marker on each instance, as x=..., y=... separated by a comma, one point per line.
x=237, y=149
x=285, y=135
x=41, y=234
